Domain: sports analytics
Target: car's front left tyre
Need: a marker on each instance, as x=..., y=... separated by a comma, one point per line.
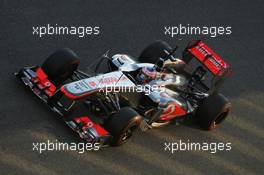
x=122, y=124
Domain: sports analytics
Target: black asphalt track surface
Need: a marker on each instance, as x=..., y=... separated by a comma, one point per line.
x=127, y=27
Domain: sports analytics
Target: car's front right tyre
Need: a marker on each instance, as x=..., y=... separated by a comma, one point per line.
x=60, y=65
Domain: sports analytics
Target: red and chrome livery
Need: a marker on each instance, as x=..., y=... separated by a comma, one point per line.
x=209, y=58
x=181, y=88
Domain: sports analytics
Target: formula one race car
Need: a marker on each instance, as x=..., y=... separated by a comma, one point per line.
x=106, y=107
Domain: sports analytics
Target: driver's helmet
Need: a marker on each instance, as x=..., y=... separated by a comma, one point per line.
x=147, y=74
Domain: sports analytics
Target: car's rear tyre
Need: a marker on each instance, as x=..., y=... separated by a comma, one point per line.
x=213, y=111
x=122, y=124
x=154, y=51
x=60, y=65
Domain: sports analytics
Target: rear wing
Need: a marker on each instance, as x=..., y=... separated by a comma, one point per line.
x=205, y=66
x=199, y=50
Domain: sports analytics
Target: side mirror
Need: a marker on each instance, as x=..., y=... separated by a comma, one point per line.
x=159, y=65
x=170, y=55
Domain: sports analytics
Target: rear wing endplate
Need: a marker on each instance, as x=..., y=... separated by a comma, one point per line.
x=207, y=57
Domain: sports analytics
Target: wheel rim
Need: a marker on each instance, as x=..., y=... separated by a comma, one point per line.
x=127, y=135
x=220, y=118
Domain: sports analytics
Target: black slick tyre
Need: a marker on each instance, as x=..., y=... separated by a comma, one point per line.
x=122, y=124
x=60, y=65
x=213, y=111
x=154, y=51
